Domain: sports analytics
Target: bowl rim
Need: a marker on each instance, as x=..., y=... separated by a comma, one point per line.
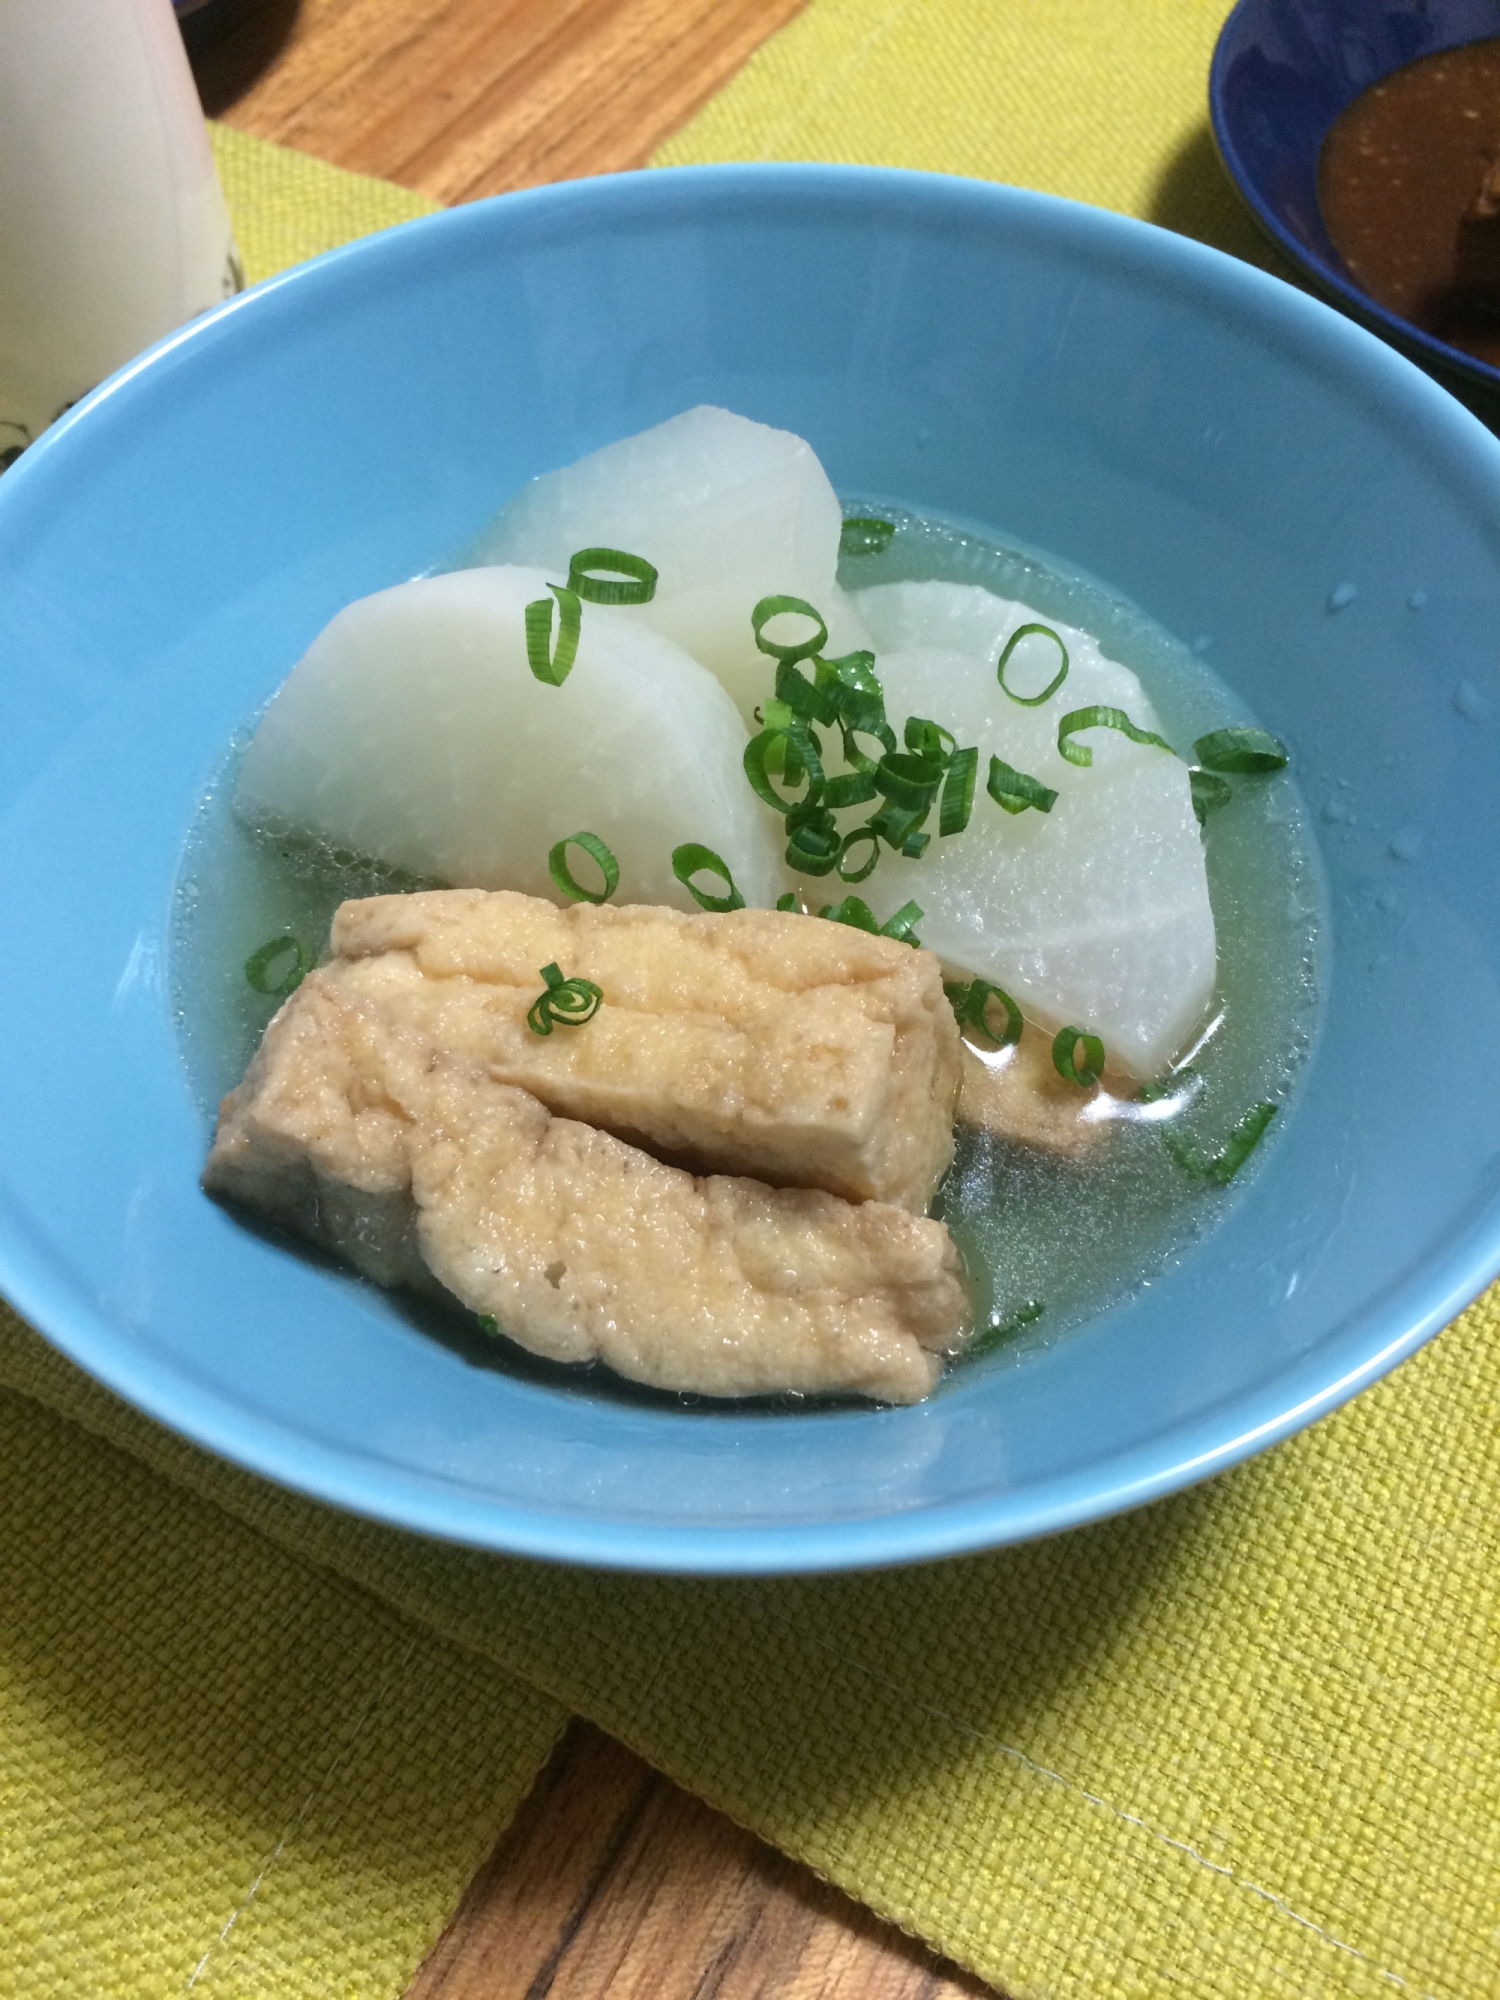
x=1330, y=278
x=1447, y=1281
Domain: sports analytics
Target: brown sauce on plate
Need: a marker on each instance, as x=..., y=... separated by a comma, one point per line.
x=1409, y=186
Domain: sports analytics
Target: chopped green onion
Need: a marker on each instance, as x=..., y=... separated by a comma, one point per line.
x=1065, y=1046
x=1218, y=1168
x=488, y=1323
x=1002, y=1329
x=1208, y=793
x=929, y=739
x=1240, y=750
x=1101, y=718
x=694, y=859
x=1025, y=632
x=907, y=780
x=563, y=1003
x=261, y=972
x=813, y=843
x=850, y=788
x=897, y=825
x=854, y=910
x=1014, y=791
x=633, y=582
x=798, y=748
x=809, y=701
x=553, y=668
x=790, y=903
x=884, y=735
x=593, y=846
x=864, y=535
x=900, y=925
x=773, y=607
x=958, y=791
x=863, y=873
x=971, y=1006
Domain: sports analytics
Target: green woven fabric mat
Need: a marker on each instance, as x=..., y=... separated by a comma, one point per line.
x=1240, y=1744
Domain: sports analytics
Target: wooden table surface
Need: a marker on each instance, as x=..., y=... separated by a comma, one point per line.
x=612, y=1881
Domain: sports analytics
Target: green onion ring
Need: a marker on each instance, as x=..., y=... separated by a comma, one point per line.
x=1220, y=1168
x=772, y=607
x=1065, y=1056
x=859, y=874
x=810, y=701
x=790, y=902
x=1024, y=632
x=849, y=788
x=634, y=581
x=929, y=739
x=813, y=846
x=563, y=1003
x=864, y=535
x=899, y=926
x=908, y=781
x=553, y=668
x=1208, y=793
x=1101, y=718
x=1240, y=750
x=1013, y=791
x=258, y=966
x=971, y=1005
x=691, y=859
x=593, y=846
x=958, y=791
x=884, y=735
x=802, y=744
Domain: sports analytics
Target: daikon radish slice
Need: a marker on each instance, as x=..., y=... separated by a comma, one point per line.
x=1095, y=914
x=728, y=511
x=414, y=731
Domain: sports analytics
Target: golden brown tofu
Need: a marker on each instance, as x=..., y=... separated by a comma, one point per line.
x=807, y=1054
x=418, y=1166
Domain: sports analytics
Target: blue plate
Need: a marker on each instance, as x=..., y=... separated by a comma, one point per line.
x=1211, y=442
x=1282, y=72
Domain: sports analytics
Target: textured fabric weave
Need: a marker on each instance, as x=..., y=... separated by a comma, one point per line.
x=1239, y=1746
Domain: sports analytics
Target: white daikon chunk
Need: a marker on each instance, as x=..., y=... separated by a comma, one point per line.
x=414, y=731
x=728, y=511
x=1095, y=915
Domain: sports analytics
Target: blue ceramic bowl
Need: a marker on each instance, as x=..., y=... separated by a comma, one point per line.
x=1282, y=72
x=1209, y=441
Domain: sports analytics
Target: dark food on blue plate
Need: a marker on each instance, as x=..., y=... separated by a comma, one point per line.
x=1409, y=187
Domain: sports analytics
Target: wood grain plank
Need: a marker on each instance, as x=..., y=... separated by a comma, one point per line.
x=460, y=98
x=613, y=1881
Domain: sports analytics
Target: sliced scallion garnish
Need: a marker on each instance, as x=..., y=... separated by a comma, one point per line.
x=907, y=780
x=797, y=751
x=789, y=903
x=691, y=859
x=1220, y=1168
x=851, y=841
x=278, y=967
x=1014, y=791
x=774, y=607
x=855, y=911
x=971, y=1006
x=929, y=739
x=488, y=1323
x=594, y=847
x=814, y=843
x=1240, y=750
x=1208, y=793
x=1101, y=718
x=1065, y=1046
x=553, y=668
x=958, y=791
x=633, y=580
x=563, y=1003
x=1003, y=1327
x=849, y=788
x=865, y=535
x=1025, y=632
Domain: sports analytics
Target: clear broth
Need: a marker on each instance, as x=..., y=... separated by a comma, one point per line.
x=1049, y=1241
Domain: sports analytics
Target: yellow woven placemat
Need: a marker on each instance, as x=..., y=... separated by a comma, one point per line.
x=1241, y=1744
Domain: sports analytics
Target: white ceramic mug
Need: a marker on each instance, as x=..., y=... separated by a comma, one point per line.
x=113, y=227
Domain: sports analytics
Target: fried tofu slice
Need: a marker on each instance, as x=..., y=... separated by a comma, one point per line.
x=758, y=1042
x=420, y=1168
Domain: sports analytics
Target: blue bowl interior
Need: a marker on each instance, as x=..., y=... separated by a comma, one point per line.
x=1282, y=72
x=1212, y=443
